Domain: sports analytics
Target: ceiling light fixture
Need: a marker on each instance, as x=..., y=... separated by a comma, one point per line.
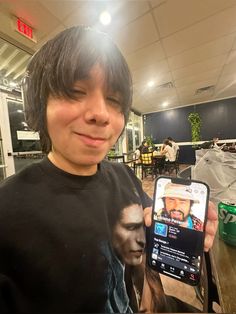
x=105, y=18
x=165, y=104
x=150, y=84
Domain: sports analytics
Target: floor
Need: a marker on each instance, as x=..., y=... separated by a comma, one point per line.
x=171, y=286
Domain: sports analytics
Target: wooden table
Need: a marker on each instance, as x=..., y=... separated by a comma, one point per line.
x=223, y=262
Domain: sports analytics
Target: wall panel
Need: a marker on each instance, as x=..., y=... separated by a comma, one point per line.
x=218, y=119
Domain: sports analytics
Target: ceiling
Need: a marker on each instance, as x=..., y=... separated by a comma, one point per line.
x=187, y=48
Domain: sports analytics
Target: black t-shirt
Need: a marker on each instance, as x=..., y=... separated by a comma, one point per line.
x=55, y=239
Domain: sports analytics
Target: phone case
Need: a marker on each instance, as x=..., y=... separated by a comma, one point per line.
x=175, y=240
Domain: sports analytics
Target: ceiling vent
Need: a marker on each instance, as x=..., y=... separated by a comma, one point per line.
x=167, y=85
x=205, y=90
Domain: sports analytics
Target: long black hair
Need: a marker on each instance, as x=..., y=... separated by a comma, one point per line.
x=63, y=60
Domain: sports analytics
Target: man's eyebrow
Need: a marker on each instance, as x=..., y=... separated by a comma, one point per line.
x=128, y=224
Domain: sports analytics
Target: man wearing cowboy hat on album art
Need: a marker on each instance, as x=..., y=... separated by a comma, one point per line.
x=178, y=201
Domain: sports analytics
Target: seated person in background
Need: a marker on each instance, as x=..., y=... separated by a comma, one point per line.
x=175, y=146
x=212, y=144
x=144, y=147
x=232, y=146
x=168, y=151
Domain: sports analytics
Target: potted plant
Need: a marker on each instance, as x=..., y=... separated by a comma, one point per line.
x=196, y=122
x=149, y=140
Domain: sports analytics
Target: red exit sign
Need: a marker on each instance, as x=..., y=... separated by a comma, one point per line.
x=24, y=29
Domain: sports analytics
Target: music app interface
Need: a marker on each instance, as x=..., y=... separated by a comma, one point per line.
x=177, y=231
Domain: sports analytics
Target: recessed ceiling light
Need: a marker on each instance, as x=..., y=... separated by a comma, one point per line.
x=105, y=18
x=165, y=104
x=150, y=83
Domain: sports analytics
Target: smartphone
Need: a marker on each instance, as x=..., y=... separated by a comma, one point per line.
x=175, y=240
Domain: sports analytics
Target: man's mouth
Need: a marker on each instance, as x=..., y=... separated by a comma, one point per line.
x=177, y=214
x=136, y=253
x=92, y=141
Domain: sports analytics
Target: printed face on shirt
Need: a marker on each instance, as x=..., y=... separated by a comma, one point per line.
x=129, y=235
x=82, y=130
x=177, y=208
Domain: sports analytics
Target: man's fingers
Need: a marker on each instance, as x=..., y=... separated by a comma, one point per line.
x=208, y=242
x=211, y=227
x=212, y=212
x=147, y=213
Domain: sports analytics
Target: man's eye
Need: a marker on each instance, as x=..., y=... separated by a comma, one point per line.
x=78, y=92
x=131, y=228
x=114, y=100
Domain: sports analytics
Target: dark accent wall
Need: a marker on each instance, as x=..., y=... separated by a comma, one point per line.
x=218, y=119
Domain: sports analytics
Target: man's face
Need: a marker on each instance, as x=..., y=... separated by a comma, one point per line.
x=83, y=130
x=177, y=208
x=129, y=235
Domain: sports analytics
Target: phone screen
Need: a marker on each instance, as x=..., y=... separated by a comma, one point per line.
x=176, y=238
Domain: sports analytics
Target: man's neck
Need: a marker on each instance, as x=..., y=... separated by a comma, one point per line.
x=72, y=168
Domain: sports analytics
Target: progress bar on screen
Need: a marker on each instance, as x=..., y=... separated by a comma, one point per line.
x=166, y=272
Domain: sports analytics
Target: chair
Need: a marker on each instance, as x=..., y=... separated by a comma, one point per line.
x=147, y=164
x=130, y=159
x=120, y=158
x=185, y=173
x=170, y=166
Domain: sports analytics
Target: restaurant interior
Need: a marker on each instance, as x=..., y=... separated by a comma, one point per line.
x=182, y=56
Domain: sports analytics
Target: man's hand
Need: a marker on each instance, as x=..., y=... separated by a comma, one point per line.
x=211, y=225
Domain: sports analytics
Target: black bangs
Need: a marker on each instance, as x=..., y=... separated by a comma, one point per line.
x=74, y=61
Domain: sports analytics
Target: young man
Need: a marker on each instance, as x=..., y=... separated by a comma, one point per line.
x=56, y=254
x=175, y=146
x=167, y=151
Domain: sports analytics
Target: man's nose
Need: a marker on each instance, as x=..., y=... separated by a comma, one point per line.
x=141, y=239
x=97, y=110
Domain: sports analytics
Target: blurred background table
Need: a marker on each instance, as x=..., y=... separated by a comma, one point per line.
x=223, y=263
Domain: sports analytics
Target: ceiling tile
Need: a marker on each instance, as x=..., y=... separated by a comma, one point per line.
x=200, y=67
x=203, y=52
x=50, y=35
x=203, y=76
x=189, y=12
x=201, y=33
x=137, y=34
x=190, y=90
x=229, y=69
x=146, y=56
x=61, y=9
x=231, y=58
x=155, y=72
x=155, y=3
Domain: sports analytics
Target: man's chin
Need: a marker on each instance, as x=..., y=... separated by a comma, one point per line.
x=177, y=216
x=135, y=261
